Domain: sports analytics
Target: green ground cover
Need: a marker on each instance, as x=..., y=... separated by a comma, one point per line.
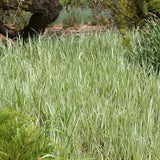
x=89, y=101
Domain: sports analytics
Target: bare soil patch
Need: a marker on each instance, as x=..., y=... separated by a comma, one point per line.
x=87, y=29
x=58, y=30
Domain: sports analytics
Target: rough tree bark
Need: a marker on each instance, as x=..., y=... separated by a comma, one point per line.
x=44, y=13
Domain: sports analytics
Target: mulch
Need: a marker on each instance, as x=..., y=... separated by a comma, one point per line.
x=59, y=30
x=87, y=29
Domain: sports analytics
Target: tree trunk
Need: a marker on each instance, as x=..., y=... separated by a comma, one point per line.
x=44, y=13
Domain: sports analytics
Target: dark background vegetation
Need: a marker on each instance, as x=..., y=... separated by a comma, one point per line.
x=123, y=13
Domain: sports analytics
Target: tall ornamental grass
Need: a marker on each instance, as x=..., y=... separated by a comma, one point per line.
x=90, y=101
x=144, y=47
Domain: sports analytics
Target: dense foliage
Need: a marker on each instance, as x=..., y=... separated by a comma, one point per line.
x=145, y=48
x=154, y=6
x=20, y=137
x=124, y=13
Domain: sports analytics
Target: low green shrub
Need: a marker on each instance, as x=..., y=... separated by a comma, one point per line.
x=127, y=14
x=20, y=137
x=154, y=6
x=75, y=16
x=145, y=48
x=16, y=19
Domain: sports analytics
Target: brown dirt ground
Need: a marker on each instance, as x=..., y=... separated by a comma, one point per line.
x=88, y=29
x=58, y=30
